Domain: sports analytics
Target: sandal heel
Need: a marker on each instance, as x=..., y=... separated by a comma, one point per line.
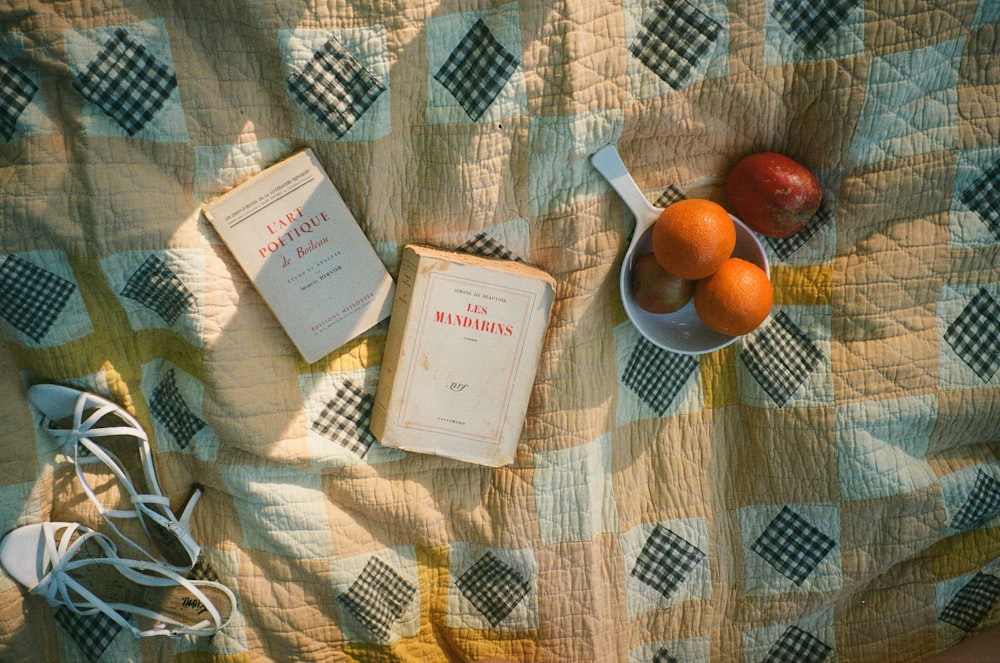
x=92, y=429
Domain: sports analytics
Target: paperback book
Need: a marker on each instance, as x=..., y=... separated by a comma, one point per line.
x=291, y=232
x=462, y=351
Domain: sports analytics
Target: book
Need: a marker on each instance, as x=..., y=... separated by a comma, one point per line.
x=462, y=350
x=291, y=232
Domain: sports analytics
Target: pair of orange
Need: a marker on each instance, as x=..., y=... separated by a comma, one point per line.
x=694, y=239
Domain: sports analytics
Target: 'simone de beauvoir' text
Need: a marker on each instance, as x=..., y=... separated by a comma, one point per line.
x=471, y=322
x=290, y=228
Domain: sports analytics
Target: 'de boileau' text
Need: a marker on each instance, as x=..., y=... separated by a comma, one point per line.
x=290, y=229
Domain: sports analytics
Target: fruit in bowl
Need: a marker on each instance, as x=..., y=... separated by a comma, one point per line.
x=655, y=289
x=693, y=237
x=773, y=194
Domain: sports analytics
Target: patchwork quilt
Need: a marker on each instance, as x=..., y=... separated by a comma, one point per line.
x=827, y=488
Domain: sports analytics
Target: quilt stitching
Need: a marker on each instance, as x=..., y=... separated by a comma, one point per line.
x=127, y=82
x=16, y=92
x=31, y=298
x=477, y=70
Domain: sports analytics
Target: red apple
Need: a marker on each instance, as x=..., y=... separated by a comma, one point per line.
x=773, y=194
x=657, y=290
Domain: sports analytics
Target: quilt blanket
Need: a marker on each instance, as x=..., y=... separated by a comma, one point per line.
x=827, y=488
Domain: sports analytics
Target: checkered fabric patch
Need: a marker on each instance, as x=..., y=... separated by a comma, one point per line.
x=127, y=82
x=811, y=22
x=484, y=245
x=982, y=503
x=664, y=656
x=91, y=633
x=672, y=194
x=168, y=406
x=335, y=88
x=202, y=570
x=673, y=40
x=792, y=545
x=780, y=357
x=31, y=298
x=157, y=287
x=975, y=335
x=973, y=602
x=378, y=598
x=493, y=587
x=798, y=646
x=16, y=92
x=666, y=560
x=983, y=198
x=785, y=246
x=345, y=418
x=657, y=376
x=477, y=70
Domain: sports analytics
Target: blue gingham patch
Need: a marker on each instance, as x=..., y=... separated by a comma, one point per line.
x=493, y=587
x=126, y=81
x=982, y=197
x=488, y=247
x=674, y=41
x=477, y=70
x=666, y=560
x=335, y=87
x=793, y=545
x=780, y=356
x=168, y=407
x=158, y=288
x=345, y=418
x=31, y=297
x=784, y=247
x=17, y=90
x=658, y=376
x=378, y=598
x=91, y=633
x=812, y=22
x=972, y=602
x=971, y=496
x=975, y=335
x=798, y=646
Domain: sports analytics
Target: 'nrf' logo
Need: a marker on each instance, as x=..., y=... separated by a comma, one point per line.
x=457, y=386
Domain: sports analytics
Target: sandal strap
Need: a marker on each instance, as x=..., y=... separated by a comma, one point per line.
x=60, y=588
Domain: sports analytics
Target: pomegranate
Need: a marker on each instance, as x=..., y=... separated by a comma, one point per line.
x=775, y=195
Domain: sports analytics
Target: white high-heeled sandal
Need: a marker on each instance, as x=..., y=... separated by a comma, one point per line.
x=80, y=419
x=73, y=566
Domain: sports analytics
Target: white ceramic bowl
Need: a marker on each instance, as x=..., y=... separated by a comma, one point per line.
x=683, y=331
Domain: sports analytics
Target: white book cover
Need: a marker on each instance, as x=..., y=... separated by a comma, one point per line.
x=291, y=232
x=462, y=351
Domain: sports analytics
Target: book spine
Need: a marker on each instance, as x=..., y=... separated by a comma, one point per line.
x=395, y=338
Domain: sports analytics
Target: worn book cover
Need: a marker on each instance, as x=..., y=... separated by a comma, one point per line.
x=463, y=346
x=291, y=232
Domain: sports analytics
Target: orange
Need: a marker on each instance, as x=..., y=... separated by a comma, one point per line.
x=693, y=237
x=735, y=299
